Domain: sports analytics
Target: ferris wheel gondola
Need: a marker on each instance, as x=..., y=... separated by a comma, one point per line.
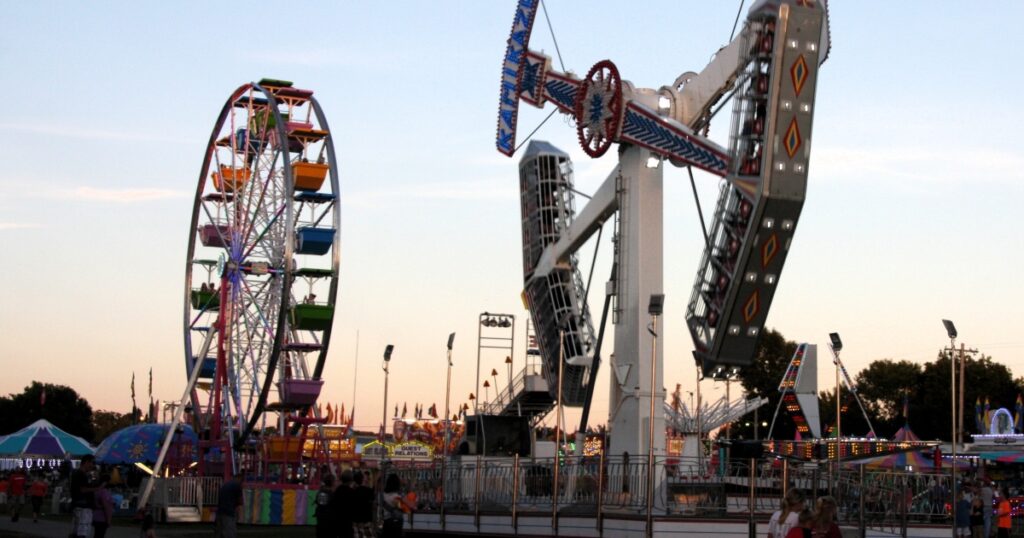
x=261, y=274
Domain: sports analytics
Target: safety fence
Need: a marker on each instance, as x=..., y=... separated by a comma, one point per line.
x=883, y=500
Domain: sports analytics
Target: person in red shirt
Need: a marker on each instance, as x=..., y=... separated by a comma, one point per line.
x=17, y=494
x=4, y=485
x=825, y=525
x=36, y=492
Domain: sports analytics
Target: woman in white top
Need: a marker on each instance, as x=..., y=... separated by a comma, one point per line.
x=788, y=516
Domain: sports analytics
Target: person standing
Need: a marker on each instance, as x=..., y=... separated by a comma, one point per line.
x=395, y=505
x=324, y=525
x=362, y=507
x=788, y=516
x=5, y=484
x=977, y=517
x=17, y=493
x=987, y=494
x=103, y=510
x=1004, y=516
x=825, y=525
x=341, y=506
x=82, y=496
x=229, y=501
x=36, y=492
x=962, y=515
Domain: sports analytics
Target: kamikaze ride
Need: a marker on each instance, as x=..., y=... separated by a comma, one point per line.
x=770, y=73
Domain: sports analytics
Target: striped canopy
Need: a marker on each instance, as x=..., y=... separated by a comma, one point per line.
x=43, y=439
x=1003, y=456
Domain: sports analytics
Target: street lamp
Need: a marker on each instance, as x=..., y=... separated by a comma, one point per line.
x=951, y=333
x=385, y=366
x=836, y=344
x=655, y=309
x=447, y=425
x=492, y=321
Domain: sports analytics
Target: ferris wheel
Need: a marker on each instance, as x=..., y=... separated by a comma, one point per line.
x=261, y=274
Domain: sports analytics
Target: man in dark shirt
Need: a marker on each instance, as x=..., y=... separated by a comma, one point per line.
x=341, y=505
x=362, y=507
x=82, y=498
x=229, y=500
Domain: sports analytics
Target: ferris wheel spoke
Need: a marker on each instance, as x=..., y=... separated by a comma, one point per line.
x=249, y=210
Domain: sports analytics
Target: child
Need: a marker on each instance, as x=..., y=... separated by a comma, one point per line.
x=805, y=522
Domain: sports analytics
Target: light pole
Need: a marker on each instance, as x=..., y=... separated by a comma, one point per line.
x=654, y=308
x=836, y=345
x=387, y=362
x=447, y=424
x=951, y=332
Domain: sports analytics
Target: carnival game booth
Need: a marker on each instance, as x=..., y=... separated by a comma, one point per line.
x=41, y=446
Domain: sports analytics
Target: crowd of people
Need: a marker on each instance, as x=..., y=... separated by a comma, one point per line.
x=343, y=510
x=796, y=520
x=86, y=492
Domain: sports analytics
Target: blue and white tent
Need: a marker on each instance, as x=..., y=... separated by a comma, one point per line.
x=43, y=439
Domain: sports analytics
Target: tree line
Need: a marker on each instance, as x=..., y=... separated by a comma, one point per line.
x=63, y=407
x=894, y=393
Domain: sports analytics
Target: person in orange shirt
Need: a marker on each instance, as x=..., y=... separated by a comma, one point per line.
x=1003, y=515
x=36, y=492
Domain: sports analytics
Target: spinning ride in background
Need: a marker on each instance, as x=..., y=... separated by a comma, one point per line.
x=770, y=73
x=261, y=277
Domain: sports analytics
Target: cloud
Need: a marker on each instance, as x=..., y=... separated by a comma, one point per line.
x=117, y=195
x=71, y=131
x=17, y=225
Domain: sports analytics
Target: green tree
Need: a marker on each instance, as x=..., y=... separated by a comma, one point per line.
x=882, y=387
x=931, y=399
x=63, y=407
x=105, y=423
x=762, y=378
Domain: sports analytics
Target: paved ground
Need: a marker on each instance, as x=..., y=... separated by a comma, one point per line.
x=61, y=526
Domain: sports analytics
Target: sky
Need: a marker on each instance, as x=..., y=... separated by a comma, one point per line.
x=911, y=216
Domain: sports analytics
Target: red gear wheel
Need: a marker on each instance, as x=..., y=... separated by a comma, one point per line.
x=599, y=108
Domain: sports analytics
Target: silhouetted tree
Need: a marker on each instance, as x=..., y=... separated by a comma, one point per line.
x=63, y=407
x=105, y=423
x=762, y=378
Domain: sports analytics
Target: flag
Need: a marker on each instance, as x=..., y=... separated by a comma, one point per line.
x=988, y=416
x=134, y=407
x=151, y=384
x=433, y=410
x=351, y=422
x=396, y=411
x=1018, y=415
x=330, y=414
x=979, y=422
x=404, y=410
x=42, y=397
x=342, y=417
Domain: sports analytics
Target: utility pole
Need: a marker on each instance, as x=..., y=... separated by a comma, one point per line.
x=963, y=351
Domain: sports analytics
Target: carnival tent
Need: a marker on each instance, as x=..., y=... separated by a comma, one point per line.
x=141, y=443
x=905, y=434
x=42, y=438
